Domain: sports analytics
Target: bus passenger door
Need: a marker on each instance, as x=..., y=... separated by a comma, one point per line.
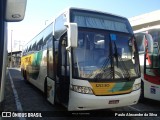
x=64, y=80
x=50, y=79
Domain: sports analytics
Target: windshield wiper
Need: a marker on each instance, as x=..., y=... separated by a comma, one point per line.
x=108, y=69
x=122, y=64
x=111, y=71
x=116, y=53
x=105, y=67
x=112, y=58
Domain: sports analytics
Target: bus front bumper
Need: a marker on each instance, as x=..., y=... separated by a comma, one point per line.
x=80, y=102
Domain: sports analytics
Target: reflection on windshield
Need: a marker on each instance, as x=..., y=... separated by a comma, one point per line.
x=99, y=57
x=153, y=65
x=140, y=42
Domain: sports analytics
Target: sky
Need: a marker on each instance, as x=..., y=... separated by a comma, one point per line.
x=40, y=12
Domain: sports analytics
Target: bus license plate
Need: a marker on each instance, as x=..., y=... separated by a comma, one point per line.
x=113, y=101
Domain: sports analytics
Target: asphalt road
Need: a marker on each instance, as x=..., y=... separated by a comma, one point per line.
x=26, y=99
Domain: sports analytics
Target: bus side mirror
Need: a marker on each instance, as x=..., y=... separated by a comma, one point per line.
x=15, y=10
x=72, y=31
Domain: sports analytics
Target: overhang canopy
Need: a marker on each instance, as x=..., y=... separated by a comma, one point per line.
x=145, y=20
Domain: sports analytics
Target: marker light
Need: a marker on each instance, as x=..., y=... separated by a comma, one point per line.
x=136, y=86
x=81, y=89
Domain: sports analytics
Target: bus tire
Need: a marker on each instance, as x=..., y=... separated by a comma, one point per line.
x=25, y=77
x=24, y=74
x=27, y=74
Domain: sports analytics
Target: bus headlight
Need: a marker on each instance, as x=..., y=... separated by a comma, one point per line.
x=136, y=86
x=81, y=89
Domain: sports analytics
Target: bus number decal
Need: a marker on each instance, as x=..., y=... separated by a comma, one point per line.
x=102, y=85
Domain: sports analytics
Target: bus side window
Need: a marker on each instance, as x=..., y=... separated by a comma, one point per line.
x=29, y=48
x=45, y=44
x=39, y=44
x=50, y=65
x=34, y=47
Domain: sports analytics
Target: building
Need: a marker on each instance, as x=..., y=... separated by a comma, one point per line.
x=16, y=59
x=148, y=20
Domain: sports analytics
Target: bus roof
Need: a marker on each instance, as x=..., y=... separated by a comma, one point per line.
x=67, y=10
x=83, y=9
x=91, y=10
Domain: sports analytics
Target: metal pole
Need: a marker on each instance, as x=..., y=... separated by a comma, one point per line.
x=11, y=48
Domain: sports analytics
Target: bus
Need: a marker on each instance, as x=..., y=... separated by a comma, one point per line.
x=11, y=11
x=85, y=60
x=149, y=54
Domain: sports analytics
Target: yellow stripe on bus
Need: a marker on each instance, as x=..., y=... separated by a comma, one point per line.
x=107, y=89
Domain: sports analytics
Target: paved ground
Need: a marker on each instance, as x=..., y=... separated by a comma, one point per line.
x=24, y=97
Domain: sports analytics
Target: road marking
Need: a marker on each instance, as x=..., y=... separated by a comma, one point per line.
x=18, y=103
x=134, y=108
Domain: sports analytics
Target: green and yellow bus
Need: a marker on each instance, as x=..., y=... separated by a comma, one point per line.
x=85, y=60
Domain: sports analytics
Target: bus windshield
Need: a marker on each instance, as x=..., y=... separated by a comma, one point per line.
x=148, y=47
x=153, y=66
x=140, y=43
x=102, y=55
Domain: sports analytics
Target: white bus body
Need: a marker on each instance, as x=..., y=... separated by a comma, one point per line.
x=150, y=65
x=84, y=60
